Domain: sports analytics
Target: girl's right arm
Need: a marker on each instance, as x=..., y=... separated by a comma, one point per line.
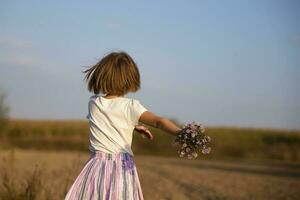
x=162, y=123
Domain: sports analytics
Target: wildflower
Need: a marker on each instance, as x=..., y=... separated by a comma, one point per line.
x=202, y=129
x=194, y=127
x=208, y=139
x=192, y=140
x=187, y=149
x=206, y=150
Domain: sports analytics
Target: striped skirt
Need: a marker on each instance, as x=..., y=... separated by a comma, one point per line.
x=107, y=176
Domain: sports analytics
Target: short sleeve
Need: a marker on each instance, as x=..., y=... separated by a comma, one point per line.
x=88, y=107
x=88, y=114
x=137, y=109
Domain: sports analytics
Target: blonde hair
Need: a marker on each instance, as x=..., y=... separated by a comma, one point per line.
x=115, y=74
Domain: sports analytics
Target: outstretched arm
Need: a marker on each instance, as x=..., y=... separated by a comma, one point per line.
x=162, y=123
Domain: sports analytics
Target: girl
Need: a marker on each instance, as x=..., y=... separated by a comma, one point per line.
x=110, y=173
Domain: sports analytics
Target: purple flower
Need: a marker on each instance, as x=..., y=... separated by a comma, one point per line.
x=191, y=140
x=206, y=150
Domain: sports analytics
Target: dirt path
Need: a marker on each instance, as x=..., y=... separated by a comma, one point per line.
x=183, y=179
x=169, y=178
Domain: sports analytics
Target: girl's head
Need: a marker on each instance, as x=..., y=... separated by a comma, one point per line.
x=115, y=74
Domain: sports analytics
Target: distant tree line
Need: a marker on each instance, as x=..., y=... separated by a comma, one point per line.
x=4, y=111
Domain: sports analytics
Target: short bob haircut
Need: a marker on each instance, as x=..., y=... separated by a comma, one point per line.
x=115, y=74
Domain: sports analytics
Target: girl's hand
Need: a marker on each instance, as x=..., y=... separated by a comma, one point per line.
x=144, y=131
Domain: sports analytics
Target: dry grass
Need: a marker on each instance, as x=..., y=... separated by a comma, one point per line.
x=246, y=143
x=30, y=174
x=49, y=155
x=37, y=175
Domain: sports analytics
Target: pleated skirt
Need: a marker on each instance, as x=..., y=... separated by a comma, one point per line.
x=107, y=177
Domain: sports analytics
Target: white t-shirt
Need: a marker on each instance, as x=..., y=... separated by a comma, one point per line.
x=111, y=123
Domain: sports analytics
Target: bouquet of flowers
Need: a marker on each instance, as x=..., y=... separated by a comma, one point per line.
x=192, y=140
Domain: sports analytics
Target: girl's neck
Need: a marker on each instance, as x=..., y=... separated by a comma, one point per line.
x=108, y=96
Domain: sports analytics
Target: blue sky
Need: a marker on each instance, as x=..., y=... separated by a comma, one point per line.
x=222, y=63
